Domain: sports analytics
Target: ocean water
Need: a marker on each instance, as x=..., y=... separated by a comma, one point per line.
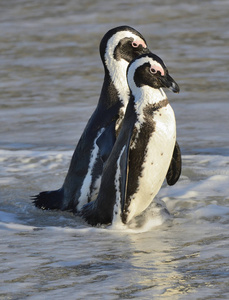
x=50, y=81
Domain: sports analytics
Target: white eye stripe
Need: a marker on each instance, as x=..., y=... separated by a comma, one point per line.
x=117, y=37
x=117, y=69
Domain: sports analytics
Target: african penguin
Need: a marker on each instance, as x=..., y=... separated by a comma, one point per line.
x=142, y=153
x=118, y=47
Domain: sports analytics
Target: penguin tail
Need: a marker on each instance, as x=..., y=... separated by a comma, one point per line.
x=49, y=199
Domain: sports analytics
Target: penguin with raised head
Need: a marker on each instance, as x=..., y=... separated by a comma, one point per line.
x=144, y=149
x=118, y=47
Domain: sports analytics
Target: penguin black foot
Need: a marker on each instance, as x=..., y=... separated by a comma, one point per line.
x=92, y=216
x=88, y=213
x=49, y=200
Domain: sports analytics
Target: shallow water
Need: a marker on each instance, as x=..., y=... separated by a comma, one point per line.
x=50, y=81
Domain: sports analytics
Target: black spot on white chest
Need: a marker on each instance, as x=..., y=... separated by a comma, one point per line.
x=149, y=145
x=139, y=144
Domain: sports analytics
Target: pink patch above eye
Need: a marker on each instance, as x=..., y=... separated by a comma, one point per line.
x=157, y=68
x=138, y=42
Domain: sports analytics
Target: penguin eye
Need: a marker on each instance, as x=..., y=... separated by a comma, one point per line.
x=134, y=44
x=153, y=71
x=156, y=68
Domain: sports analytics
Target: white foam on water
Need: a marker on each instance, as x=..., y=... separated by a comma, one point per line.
x=15, y=227
x=7, y=217
x=204, y=180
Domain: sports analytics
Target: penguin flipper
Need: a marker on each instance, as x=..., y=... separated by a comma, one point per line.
x=106, y=141
x=124, y=164
x=124, y=167
x=174, y=171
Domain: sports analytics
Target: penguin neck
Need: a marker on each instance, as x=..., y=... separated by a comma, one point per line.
x=117, y=72
x=146, y=95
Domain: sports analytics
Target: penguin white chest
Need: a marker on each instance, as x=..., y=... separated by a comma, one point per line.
x=157, y=157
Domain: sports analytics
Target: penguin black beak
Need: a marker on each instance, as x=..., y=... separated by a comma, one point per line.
x=170, y=83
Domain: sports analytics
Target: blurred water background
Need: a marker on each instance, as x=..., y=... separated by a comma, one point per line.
x=50, y=80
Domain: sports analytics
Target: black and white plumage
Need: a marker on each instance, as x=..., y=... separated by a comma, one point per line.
x=143, y=151
x=117, y=48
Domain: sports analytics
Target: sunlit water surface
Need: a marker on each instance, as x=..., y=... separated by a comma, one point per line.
x=50, y=81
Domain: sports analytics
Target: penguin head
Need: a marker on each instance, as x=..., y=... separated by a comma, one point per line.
x=118, y=48
x=150, y=70
x=121, y=43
